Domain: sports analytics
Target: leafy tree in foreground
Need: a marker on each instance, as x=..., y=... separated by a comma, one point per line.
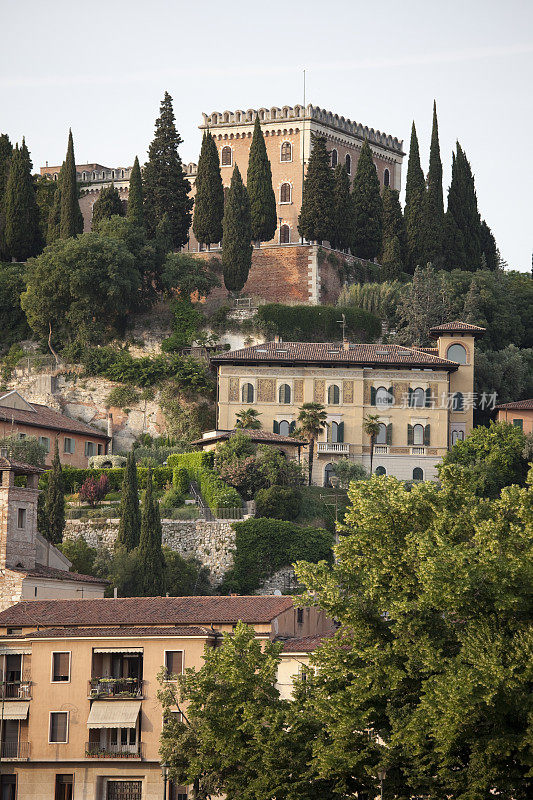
x=315, y=222
x=22, y=234
x=209, y=199
x=259, y=186
x=108, y=205
x=342, y=210
x=312, y=420
x=54, y=501
x=367, y=207
x=27, y=450
x=129, y=529
x=70, y=217
x=237, y=235
x=429, y=675
x=415, y=190
x=135, y=213
x=151, y=560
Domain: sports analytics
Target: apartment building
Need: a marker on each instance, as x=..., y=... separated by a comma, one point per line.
x=423, y=396
x=80, y=718
x=519, y=413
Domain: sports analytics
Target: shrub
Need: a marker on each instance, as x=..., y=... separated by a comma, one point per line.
x=278, y=502
x=93, y=490
x=172, y=499
x=317, y=323
x=180, y=479
x=215, y=492
x=74, y=477
x=122, y=396
x=347, y=471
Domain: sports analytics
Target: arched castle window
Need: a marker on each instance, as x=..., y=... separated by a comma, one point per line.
x=226, y=156
x=386, y=178
x=348, y=163
x=83, y=176
x=284, y=234
x=286, y=152
x=457, y=353
x=334, y=156
x=122, y=173
x=285, y=193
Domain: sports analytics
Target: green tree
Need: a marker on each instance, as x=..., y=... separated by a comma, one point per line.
x=347, y=471
x=462, y=205
x=394, y=222
x=150, y=554
x=82, y=556
x=15, y=327
x=312, y=420
x=135, y=212
x=507, y=373
x=6, y=150
x=433, y=202
x=53, y=223
x=342, y=210
x=489, y=250
x=45, y=190
x=107, y=205
x=237, y=235
x=423, y=304
x=166, y=189
x=315, y=222
x=129, y=529
x=22, y=234
x=188, y=276
x=248, y=418
x=27, y=450
x=371, y=428
x=453, y=247
x=209, y=199
x=391, y=260
x=259, y=186
x=367, y=207
x=185, y=576
x=70, y=218
x=415, y=190
x=54, y=501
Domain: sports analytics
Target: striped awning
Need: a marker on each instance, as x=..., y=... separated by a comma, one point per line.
x=15, y=651
x=114, y=714
x=118, y=650
x=16, y=709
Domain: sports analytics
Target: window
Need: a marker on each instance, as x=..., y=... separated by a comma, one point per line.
x=457, y=436
x=457, y=353
x=174, y=662
x=334, y=156
x=328, y=472
x=44, y=441
x=336, y=432
x=386, y=178
x=90, y=449
x=8, y=787
x=418, y=474
x=380, y=471
x=458, y=402
x=284, y=393
x=226, y=156
x=286, y=152
x=58, y=731
x=418, y=398
x=176, y=792
x=22, y=436
x=381, y=438
x=68, y=445
x=83, y=175
x=383, y=396
x=284, y=234
x=100, y=449
x=519, y=423
x=285, y=193
x=348, y=163
x=124, y=790
x=334, y=395
x=284, y=428
x=60, y=667
x=21, y=518
x=418, y=435
x=247, y=393
x=300, y=616
x=64, y=787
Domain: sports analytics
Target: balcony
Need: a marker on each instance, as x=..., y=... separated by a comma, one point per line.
x=115, y=688
x=418, y=451
x=337, y=448
x=15, y=751
x=98, y=750
x=381, y=449
x=15, y=690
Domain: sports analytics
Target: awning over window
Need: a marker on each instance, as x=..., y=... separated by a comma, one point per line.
x=15, y=651
x=117, y=650
x=115, y=714
x=16, y=710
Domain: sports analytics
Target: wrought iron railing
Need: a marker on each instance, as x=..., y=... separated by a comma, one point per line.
x=12, y=750
x=15, y=690
x=98, y=750
x=103, y=688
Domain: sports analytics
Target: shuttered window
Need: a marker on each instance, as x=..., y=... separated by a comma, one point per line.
x=174, y=662
x=58, y=726
x=60, y=667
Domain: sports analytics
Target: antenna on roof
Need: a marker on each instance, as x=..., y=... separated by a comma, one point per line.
x=343, y=323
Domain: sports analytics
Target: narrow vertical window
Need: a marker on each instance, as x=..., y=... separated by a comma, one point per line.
x=286, y=152
x=386, y=178
x=226, y=156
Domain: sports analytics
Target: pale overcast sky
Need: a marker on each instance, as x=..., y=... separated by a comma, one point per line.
x=102, y=67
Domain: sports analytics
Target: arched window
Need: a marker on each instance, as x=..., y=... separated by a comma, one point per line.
x=226, y=156
x=284, y=428
x=284, y=234
x=113, y=174
x=457, y=353
x=83, y=175
x=458, y=402
x=418, y=474
x=381, y=438
x=328, y=472
x=348, y=163
x=247, y=393
x=334, y=395
x=380, y=471
x=122, y=173
x=55, y=176
x=418, y=435
x=284, y=393
x=457, y=436
x=334, y=158
x=103, y=175
x=383, y=396
x=94, y=176
x=386, y=178
x=418, y=398
x=286, y=152
x=285, y=193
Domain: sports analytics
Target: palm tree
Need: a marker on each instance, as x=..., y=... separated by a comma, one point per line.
x=371, y=428
x=312, y=419
x=248, y=418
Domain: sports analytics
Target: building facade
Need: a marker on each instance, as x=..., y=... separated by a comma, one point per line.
x=423, y=397
x=518, y=413
x=81, y=716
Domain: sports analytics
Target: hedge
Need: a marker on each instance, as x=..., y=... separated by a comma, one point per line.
x=317, y=323
x=262, y=546
x=199, y=465
x=74, y=477
x=278, y=502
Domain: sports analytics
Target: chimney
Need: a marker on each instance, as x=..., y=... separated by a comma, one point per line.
x=115, y=593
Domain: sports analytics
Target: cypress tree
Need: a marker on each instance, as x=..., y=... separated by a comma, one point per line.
x=129, y=529
x=22, y=234
x=166, y=189
x=6, y=150
x=259, y=186
x=209, y=200
x=54, y=218
x=107, y=205
x=135, y=213
x=489, y=250
x=151, y=561
x=453, y=248
x=54, y=501
x=394, y=224
x=367, y=207
x=473, y=308
x=415, y=189
x=237, y=235
x=71, y=219
x=315, y=222
x=391, y=261
x=434, y=203
x=342, y=210
x=462, y=205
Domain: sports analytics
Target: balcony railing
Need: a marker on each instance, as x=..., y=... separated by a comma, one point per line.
x=109, y=688
x=15, y=690
x=333, y=447
x=15, y=750
x=418, y=451
x=381, y=449
x=97, y=750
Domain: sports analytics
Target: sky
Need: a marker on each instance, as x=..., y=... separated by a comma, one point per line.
x=102, y=68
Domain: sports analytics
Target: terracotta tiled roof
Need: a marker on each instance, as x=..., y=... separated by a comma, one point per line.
x=518, y=405
x=457, y=327
x=430, y=350
x=44, y=417
x=324, y=353
x=40, y=571
x=255, y=436
x=18, y=467
x=304, y=644
x=112, y=633
x=146, y=611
